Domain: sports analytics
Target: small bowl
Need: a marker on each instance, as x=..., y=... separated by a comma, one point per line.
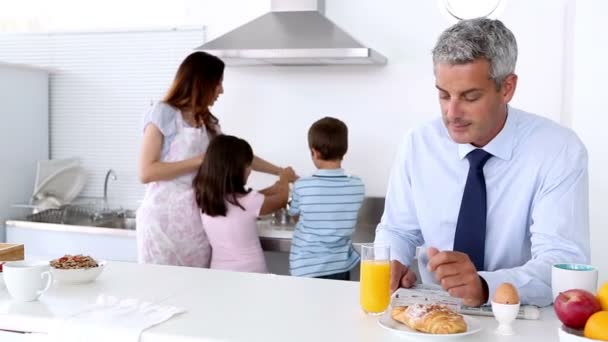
x=571, y=335
x=77, y=275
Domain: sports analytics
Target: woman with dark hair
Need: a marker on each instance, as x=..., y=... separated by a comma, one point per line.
x=177, y=132
x=229, y=211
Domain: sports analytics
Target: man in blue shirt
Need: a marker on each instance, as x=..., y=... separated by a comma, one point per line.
x=492, y=193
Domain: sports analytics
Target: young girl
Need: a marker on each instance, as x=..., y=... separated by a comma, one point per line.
x=228, y=210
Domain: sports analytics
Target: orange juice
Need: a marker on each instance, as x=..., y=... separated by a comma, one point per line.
x=375, y=285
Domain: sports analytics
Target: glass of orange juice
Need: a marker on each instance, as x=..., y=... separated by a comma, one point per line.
x=375, y=278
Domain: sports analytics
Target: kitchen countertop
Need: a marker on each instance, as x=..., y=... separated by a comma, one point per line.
x=232, y=306
x=70, y=228
x=265, y=229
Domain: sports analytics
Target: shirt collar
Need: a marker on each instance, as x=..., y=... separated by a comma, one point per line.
x=502, y=144
x=329, y=173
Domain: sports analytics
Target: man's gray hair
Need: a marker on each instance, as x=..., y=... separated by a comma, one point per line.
x=472, y=39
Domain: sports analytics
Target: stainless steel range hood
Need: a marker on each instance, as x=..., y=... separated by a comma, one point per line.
x=295, y=33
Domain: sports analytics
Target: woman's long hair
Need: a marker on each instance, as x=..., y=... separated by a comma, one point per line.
x=194, y=85
x=221, y=176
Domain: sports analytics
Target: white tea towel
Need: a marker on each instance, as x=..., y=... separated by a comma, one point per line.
x=112, y=319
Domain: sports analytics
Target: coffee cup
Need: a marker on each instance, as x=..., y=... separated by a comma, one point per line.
x=567, y=276
x=25, y=280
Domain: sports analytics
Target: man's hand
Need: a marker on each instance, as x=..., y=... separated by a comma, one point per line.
x=401, y=276
x=457, y=275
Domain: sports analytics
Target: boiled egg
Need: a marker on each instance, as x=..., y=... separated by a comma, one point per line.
x=506, y=294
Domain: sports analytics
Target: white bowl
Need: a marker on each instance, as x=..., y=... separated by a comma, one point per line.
x=77, y=275
x=571, y=335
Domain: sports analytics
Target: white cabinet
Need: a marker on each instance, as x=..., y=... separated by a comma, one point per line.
x=24, y=133
x=53, y=243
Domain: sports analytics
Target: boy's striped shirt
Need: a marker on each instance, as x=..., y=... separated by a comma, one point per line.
x=327, y=204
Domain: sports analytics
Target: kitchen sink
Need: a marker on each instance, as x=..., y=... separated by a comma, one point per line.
x=86, y=216
x=118, y=223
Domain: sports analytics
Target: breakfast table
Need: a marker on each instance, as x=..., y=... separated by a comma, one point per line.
x=233, y=306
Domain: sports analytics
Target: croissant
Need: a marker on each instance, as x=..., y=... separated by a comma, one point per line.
x=430, y=318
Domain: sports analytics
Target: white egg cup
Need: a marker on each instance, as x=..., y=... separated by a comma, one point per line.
x=505, y=314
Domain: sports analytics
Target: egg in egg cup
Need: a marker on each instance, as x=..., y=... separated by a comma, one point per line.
x=505, y=306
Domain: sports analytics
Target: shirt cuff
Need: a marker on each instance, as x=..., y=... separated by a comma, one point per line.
x=493, y=280
x=399, y=250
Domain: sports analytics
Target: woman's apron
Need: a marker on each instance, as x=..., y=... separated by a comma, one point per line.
x=169, y=226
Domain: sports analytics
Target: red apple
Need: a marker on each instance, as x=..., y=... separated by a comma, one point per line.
x=574, y=307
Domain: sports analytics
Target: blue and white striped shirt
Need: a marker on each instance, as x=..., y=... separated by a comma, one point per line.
x=328, y=203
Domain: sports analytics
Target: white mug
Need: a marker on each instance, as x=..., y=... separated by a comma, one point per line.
x=25, y=280
x=567, y=276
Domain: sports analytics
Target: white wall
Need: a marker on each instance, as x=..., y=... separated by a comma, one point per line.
x=589, y=116
x=76, y=15
x=272, y=107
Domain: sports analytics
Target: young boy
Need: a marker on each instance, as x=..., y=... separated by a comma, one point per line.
x=327, y=204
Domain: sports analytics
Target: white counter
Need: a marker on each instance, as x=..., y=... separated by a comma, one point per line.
x=265, y=229
x=230, y=306
x=68, y=228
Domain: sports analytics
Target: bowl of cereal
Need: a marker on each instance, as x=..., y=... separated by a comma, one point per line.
x=76, y=269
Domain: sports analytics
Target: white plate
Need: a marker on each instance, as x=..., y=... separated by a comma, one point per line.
x=387, y=322
x=77, y=275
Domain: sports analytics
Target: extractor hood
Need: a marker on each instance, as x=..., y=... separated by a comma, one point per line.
x=295, y=32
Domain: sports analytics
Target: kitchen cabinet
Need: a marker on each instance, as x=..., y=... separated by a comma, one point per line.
x=56, y=240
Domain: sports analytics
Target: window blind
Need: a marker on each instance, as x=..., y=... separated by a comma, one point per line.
x=101, y=85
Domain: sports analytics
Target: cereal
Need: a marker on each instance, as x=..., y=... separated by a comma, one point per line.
x=73, y=262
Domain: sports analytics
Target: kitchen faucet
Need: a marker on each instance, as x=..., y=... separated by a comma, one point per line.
x=105, y=186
